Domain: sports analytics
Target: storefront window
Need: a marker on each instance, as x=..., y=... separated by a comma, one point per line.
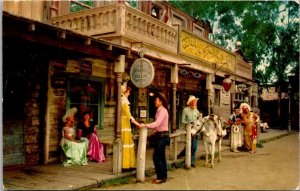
x=87, y=95
x=217, y=97
x=155, y=12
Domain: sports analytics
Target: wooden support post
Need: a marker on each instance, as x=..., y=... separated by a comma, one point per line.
x=188, y=147
x=141, y=155
x=47, y=126
x=173, y=148
x=174, y=107
x=209, y=87
x=173, y=142
x=174, y=81
x=117, y=156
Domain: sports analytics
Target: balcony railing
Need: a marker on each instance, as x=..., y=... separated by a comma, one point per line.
x=120, y=20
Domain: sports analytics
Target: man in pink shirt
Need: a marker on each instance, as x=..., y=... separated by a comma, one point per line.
x=161, y=126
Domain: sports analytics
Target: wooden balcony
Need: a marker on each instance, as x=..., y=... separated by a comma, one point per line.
x=119, y=20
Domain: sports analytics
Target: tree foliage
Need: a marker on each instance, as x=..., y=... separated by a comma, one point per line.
x=268, y=31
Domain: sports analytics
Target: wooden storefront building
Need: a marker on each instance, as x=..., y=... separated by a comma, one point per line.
x=63, y=54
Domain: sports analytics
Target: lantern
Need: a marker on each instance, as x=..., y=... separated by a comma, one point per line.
x=227, y=83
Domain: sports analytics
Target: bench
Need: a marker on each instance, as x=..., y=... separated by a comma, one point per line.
x=107, y=143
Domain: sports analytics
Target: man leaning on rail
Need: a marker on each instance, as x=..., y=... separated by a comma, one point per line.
x=189, y=116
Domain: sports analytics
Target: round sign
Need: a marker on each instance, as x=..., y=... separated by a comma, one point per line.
x=142, y=72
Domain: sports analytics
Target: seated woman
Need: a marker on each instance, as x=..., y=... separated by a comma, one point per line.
x=75, y=150
x=87, y=129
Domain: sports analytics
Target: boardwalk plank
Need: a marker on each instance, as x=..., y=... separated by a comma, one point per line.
x=16, y=186
x=23, y=179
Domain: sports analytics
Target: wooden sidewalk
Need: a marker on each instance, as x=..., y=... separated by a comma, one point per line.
x=58, y=177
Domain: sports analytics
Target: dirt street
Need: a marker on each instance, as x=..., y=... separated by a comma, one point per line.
x=273, y=167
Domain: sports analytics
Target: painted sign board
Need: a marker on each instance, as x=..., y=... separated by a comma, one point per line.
x=142, y=72
x=196, y=47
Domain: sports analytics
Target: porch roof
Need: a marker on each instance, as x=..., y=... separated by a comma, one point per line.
x=45, y=34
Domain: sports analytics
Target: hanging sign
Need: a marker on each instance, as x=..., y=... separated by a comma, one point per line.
x=142, y=72
x=86, y=67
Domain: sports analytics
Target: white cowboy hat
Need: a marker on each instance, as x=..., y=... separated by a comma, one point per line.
x=68, y=113
x=191, y=98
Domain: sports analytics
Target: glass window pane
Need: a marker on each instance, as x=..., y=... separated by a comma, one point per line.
x=85, y=95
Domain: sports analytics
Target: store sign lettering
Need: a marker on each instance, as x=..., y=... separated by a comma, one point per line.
x=142, y=72
x=201, y=49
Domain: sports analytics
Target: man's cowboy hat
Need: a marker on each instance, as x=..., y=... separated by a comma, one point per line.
x=163, y=98
x=191, y=98
x=71, y=111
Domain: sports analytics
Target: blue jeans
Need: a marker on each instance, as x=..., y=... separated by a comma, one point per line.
x=193, y=149
x=159, y=157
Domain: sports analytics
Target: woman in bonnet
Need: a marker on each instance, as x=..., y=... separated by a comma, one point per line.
x=128, y=161
x=75, y=150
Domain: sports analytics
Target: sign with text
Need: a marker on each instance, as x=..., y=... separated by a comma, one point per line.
x=58, y=65
x=86, y=67
x=142, y=72
x=225, y=97
x=199, y=48
x=58, y=81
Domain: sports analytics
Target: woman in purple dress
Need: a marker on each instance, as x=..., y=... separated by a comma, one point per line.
x=95, y=148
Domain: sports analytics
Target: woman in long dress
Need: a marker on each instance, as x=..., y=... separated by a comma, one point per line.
x=87, y=129
x=74, y=150
x=128, y=160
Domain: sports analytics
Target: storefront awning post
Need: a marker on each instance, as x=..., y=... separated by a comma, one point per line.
x=174, y=81
x=209, y=87
x=119, y=69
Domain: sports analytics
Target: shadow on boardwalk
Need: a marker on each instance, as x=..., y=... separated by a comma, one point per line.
x=57, y=177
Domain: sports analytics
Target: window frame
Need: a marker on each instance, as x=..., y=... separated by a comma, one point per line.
x=174, y=14
x=217, y=97
x=101, y=103
x=158, y=17
x=195, y=26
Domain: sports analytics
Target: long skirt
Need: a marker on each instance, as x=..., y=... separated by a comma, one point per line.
x=248, y=142
x=128, y=159
x=96, y=149
x=75, y=152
